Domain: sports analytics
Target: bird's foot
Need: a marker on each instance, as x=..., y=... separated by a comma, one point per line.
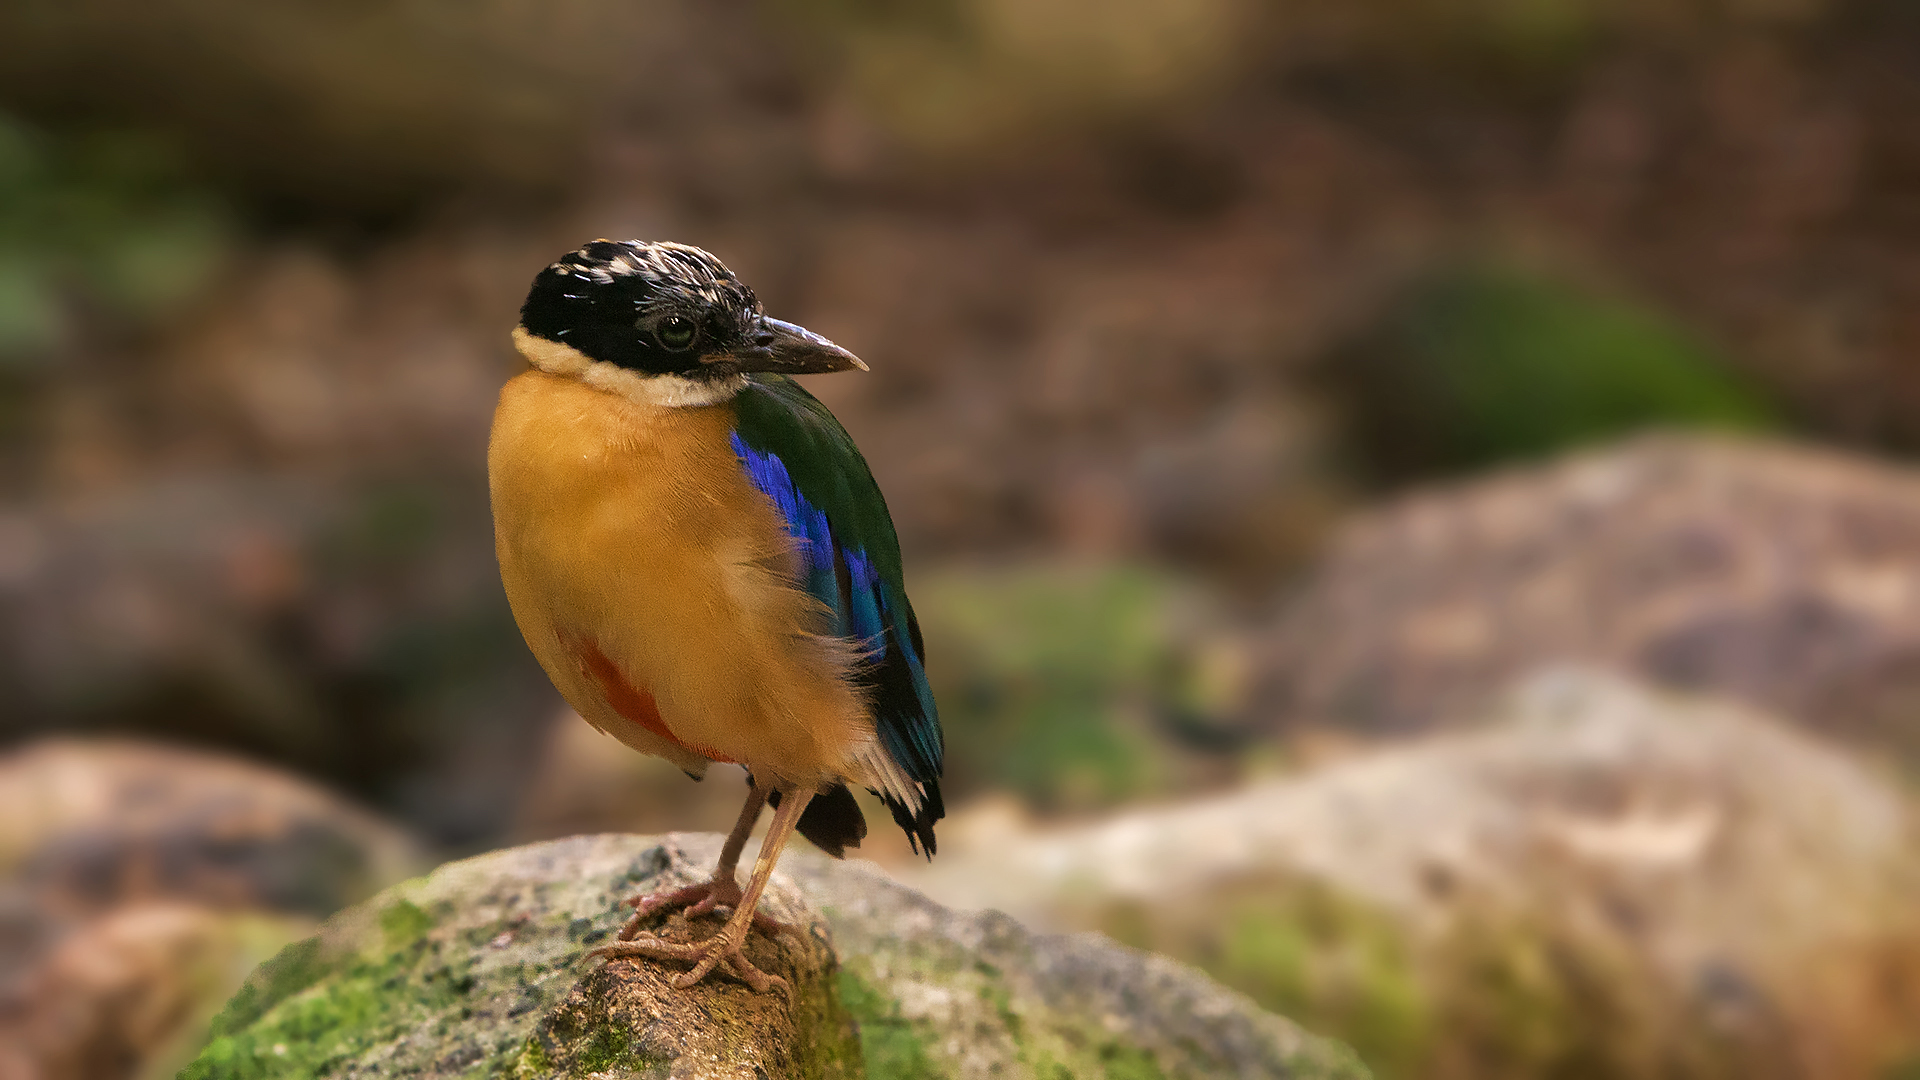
x=721, y=950
x=719, y=891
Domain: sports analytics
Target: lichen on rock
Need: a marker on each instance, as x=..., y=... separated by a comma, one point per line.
x=479, y=971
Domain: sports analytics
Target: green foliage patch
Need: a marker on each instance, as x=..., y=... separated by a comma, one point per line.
x=1307, y=952
x=310, y=1010
x=1068, y=683
x=891, y=1045
x=1474, y=366
x=109, y=216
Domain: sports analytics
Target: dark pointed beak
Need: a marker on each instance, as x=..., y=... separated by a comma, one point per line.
x=791, y=350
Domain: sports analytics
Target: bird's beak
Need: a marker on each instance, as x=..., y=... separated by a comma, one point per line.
x=791, y=350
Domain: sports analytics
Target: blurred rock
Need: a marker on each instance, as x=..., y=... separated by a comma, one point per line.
x=353, y=630
x=128, y=994
x=479, y=967
x=1780, y=575
x=139, y=883
x=1598, y=879
x=89, y=826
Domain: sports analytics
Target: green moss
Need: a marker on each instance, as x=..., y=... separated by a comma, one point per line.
x=534, y=1060
x=1477, y=365
x=1302, y=950
x=1904, y=1069
x=606, y=1049
x=402, y=986
x=1129, y=1063
x=980, y=1010
x=891, y=1045
x=997, y=997
x=1066, y=681
x=827, y=1044
x=1336, y=966
x=598, y=1050
x=402, y=921
x=1045, y=1067
x=1531, y=995
x=310, y=1010
x=113, y=216
x=297, y=967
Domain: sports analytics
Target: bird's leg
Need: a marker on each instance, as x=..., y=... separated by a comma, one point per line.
x=724, y=947
x=722, y=890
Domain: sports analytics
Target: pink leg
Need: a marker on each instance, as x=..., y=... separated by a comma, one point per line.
x=723, y=948
x=722, y=890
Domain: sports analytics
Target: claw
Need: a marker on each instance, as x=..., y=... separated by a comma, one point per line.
x=697, y=899
x=715, y=951
x=722, y=890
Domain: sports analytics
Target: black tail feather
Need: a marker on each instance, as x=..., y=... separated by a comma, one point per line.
x=832, y=821
x=919, y=827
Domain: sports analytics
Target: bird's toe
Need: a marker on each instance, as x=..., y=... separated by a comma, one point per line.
x=718, y=951
x=715, y=894
x=709, y=893
x=649, y=947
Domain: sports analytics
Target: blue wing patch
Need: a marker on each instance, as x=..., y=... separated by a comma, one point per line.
x=873, y=611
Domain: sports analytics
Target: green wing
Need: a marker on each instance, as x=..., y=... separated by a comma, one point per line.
x=798, y=454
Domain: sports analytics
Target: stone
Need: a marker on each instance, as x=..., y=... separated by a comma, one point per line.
x=479, y=970
x=128, y=994
x=1777, y=574
x=139, y=884
x=90, y=825
x=1593, y=877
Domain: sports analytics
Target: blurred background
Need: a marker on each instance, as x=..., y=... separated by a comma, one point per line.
x=1412, y=503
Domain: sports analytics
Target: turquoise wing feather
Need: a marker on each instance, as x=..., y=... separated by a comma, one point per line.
x=796, y=452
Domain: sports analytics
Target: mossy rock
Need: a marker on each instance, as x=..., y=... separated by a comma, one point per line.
x=940, y=993
x=478, y=971
x=1299, y=946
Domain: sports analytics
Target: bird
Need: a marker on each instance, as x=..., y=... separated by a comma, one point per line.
x=699, y=557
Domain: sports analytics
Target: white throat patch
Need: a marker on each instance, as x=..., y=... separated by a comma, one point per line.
x=667, y=391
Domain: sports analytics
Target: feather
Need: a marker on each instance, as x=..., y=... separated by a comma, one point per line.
x=832, y=820
x=798, y=455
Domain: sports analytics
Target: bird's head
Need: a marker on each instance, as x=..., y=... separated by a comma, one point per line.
x=661, y=323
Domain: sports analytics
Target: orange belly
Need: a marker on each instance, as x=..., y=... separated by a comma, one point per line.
x=656, y=585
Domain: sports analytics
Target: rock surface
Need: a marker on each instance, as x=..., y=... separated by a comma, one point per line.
x=128, y=994
x=138, y=886
x=89, y=825
x=1573, y=763
x=1598, y=877
x=478, y=971
x=1783, y=576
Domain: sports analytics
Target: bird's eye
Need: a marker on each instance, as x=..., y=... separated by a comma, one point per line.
x=675, y=332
